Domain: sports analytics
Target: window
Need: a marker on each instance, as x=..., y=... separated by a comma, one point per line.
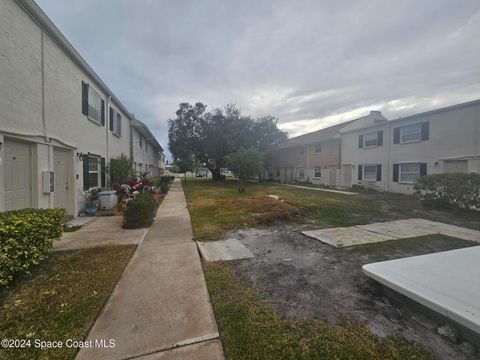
x=409, y=172
x=146, y=146
x=301, y=173
x=317, y=172
x=140, y=141
x=410, y=133
x=93, y=171
x=301, y=150
x=370, y=172
x=370, y=139
x=119, y=125
x=94, y=105
x=318, y=148
x=278, y=172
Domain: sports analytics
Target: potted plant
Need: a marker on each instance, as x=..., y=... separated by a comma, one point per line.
x=91, y=197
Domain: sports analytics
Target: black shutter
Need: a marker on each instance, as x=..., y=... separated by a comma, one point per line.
x=111, y=119
x=86, y=178
x=395, y=172
x=396, y=135
x=360, y=172
x=425, y=130
x=102, y=115
x=379, y=172
x=102, y=171
x=380, y=138
x=84, y=98
x=360, y=141
x=423, y=169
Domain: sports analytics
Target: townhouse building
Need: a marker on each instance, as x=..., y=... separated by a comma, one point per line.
x=60, y=124
x=147, y=153
x=391, y=155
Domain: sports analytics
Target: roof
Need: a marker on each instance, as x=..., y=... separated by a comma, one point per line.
x=143, y=129
x=315, y=136
x=37, y=14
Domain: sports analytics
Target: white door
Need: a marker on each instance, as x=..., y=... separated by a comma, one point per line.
x=347, y=175
x=60, y=166
x=18, y=175
x=456, y=166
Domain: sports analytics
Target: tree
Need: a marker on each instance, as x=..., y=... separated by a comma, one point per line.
x=121, y=168
x=197, y=136
x=245, y=164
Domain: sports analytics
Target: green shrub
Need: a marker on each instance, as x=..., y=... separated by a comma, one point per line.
x=140, y=212
x=456, y=190
x=174, y=169
x=26, y=236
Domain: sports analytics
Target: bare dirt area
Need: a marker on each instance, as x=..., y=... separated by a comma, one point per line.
x=304, y=278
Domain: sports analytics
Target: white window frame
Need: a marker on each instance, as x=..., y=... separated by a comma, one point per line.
x=93, y=97
x=94, y=171
x=117, y=128
x=301, y=173
x=400, y=172
x=363, y=170
x=402, y=130
x=315, y=172
x=372, y=134
x=319, y=147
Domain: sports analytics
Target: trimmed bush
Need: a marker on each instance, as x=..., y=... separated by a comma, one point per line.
x=140, y=212
x=26, y=236
x=455, y=191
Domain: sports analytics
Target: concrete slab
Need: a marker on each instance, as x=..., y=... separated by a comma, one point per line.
x=81, y=220
x=160, y=307
x=209, y=350
x=391, y=230
x=346, y=236
x=223, y=250
x=105, y=231
x=446, y=282
x=320, y=189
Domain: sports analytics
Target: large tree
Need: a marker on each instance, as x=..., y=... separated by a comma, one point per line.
x=208, y=137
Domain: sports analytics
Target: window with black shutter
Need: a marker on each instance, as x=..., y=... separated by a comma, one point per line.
x=360, y=172
x=360, y=141
x=86, y=179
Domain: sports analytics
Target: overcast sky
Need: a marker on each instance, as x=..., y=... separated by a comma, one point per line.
x=310, y=63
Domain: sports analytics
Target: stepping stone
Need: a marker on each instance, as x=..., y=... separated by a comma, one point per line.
x=223, y=250
x=347, y=236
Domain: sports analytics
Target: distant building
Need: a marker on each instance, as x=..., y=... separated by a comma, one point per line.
x=147, y=153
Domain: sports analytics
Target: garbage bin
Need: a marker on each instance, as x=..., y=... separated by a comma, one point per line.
x=108, y=199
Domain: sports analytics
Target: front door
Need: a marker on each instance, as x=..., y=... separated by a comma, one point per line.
x=60, y=167
x=332, y=169
x=347, y=175
x=18, y=175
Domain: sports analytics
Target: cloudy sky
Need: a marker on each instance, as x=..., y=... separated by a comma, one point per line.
x=310, y=63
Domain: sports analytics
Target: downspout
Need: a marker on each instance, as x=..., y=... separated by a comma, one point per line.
x=107, y=127
x=387, y=187
x=44, y=121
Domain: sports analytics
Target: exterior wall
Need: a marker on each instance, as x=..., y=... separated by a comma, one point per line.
x=41, y=102
x=147, y=155
x=286, y=162
x=453, y=134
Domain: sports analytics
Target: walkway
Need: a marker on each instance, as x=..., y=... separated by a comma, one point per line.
x=160, y=308
x=321, y=189
x=103, y=231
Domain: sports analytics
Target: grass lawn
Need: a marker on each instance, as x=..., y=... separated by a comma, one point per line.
x=216, y=208
x=60, y=300
x=219, y=207
x=249, y=329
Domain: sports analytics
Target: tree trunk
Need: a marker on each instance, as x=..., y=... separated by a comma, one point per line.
x=216, y=175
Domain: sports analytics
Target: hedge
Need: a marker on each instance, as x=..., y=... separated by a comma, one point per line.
x=26, y=236
x=455, y=190
x=140, y=211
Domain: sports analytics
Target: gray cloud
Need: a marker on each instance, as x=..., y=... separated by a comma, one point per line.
x=310, y=63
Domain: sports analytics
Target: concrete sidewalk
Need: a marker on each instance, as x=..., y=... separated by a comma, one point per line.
x=321, y=189
x=160, y=308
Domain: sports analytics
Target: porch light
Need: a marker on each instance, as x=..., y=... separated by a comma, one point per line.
x=80, y=156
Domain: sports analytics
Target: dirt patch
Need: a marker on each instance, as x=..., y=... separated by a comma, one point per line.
x=267, y=209
x=304, y=278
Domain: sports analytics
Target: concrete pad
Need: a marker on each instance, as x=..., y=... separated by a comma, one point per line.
x=105, y=231
x=320, y=189
x=447, y=282
x=346, y=236
x=81, y=220
x=209, y=350
x=224, y=250
x=401, y=228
